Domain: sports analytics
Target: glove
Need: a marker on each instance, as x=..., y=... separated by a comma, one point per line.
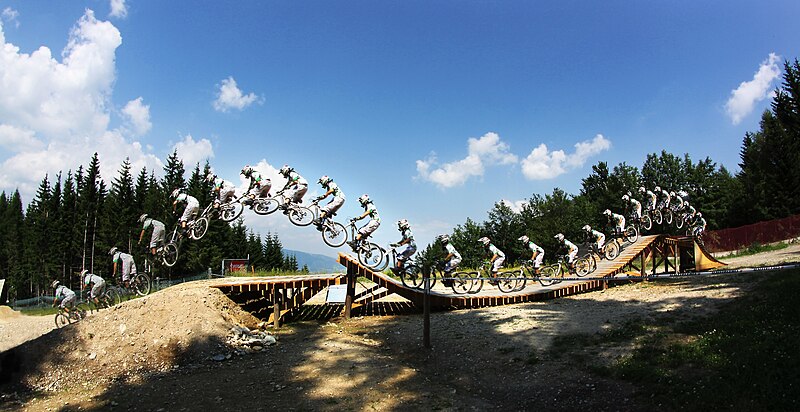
x=394, y=244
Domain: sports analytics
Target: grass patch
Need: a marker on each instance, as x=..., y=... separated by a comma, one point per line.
x=756, y=248
x=39, y=311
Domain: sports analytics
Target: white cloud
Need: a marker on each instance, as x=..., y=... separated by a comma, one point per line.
x=744, y=97
x=543, y=164
x=118, y=9
x=486, y=150
x=515, y=205
x=193, y=151
x=54, y=115
x=10, y=15
x=137, y=115
x=230, y=96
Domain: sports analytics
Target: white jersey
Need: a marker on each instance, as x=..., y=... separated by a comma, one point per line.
x=451, y=250
x=335, y=191
x=496, y=251
x=64, y=292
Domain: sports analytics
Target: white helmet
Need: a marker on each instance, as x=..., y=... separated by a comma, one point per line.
x=657, y=189
x=175, y=193
x=364, y=199
x=699, y=214
x=485, y=240
x=587, y=228
x=402, y=224
x=642, y=189
x=443, y=238
x=55, y=284
x=682, y=193
x=607, y=212
x=210, y=177
x=142, y=218
x=672, y=193
x=247, y=171
x=285, y=170
x=324, y=180
x=83, y=272
x=113, y=250
x=626, y=198
x=524, y=239
x=560, y=237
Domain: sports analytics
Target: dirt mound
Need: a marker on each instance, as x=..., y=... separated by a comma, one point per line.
x=179, y=325
x=8, y=313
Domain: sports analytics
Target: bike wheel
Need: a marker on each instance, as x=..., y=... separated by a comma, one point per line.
x=611, y=250
x=679, y=220
x=548, y=274
x=647, y=222
x=631, y=234
x=301, y=215
x=506, y=282
x=411, y=277
x=141, y=284
x=667, y=216
x=81, y=310
x=334, y=234
x=112, y=297
x=477, y=282
x=657, y=217
x=231, y=211
x=370, y=255
x=461, y=283
x=265, y=206
x=170, y=254
x=199, y=228
x=583, y=266
x=521, y=281
x=62, y=320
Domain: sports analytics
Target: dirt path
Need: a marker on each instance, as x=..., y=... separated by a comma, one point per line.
x=482, y=359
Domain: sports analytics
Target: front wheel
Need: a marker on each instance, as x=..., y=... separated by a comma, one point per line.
x=62, y=320
x=170, y=254
x=141, y=284
x=631, y=234
x=583, y=266
x=611, y=250
x=668, y=216
x=477, y=282
x=507, y=282
x=657, y=217
x=334, y=234
x=370, y=255
x=231, y=211
x=460, y=283
x=679, y=220
x=265, y=206
x=411, y=277
x=548, y=274
x=647, y=222
x=199, y=228
x=301, y=216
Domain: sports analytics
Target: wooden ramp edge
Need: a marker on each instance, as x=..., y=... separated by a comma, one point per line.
x=703, y=260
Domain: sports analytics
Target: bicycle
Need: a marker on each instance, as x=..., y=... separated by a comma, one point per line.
x=64, y=317
x=527, y=266
x=558, y=269
x=459, y=282
x=298, y=215
x=198, y=227
x=334, y=234
x=645, y=222
x=107, y=299
x=662, y=214
x=369, y=254
x=409, y=274
x=513, y=283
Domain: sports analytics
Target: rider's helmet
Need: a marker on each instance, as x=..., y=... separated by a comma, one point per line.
x=84, y=272
x=485, y=240
x=682, y=193
x=55, y=284
x=210, y=177
x=626, y=198
x=642, y=189
x=402, y=224
x=142, y=218
x=175, y=193
x=607, y=212
x=364, y=199
x=560, y=237
x=285, y=170
x=325, y=180
x=699, y=214
x=657, y=189
x=247, y=171
x=112, y=251
x=587, y=228
x=672, y=193
x=629, y=194
x=443, y=238
x=524, y=239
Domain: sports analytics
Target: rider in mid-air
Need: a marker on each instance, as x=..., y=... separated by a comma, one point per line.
x=331, y=188
x=497, y=260
x=260, y=184
x=699, y=225
x=374, y=221
x=651, y=198
x=221, y=189
x=157, y=238
x=97, y=284
x=192, y=205
x=634, y=205
x=537, y=253
x=125, y=260
x=408, y=240
x=296, y=185
x=617, y=220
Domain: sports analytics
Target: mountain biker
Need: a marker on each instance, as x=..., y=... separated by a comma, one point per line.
x=689, y=210
x=125, y=260
x=223, y=190
x=677, y=200
x=374, y=221
x=617, y=220
x=192, y=205
x=157, y=238
x=69, y=299
x=262, y=185
x=452, y=259
x=635, y=206
x=497, y=260
x=699, y=225
x=537, y=253
x=335, y=204
x=650, y=198
x=593, y=236
x=569, y=250
x=97, y=284
x=296, y=184
x=408, y=239
x=665, y=196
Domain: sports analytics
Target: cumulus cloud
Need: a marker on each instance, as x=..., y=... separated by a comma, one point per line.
x=486, y=150
x=10, y=15
x=515, y=205
x=54, y=115
x=137, y=114
x=118, y=9
x=229, y=96
x=542, y=164
x=744, y=97
x=194, y=151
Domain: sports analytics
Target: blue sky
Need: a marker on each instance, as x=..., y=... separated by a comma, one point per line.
x=437, y=109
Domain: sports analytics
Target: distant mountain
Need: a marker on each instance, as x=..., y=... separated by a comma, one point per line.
x=316, y=263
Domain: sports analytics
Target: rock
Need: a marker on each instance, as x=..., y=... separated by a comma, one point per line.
x=122, y=328
x=92, y=356
x=219, y=358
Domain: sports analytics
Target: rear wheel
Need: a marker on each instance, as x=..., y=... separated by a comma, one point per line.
x=141, y=284
x=631, y=234
x=679, y=220
x=301, y=215
x=265, y=206
x=230, y=211
x=647, y=222
x=112, y=297
x=461, y=283
x=667, y=216
x=506, y=282
x=411, y=277
x=334, y=234
x=547, y=275
x=199, y=228
x=657, y=218
x=583, y=266
x=477, y=282
x=370, y=255
x=611, y=250
x=170, y=254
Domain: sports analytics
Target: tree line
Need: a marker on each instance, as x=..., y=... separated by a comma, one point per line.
x=74, y=220
x=766, y=187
